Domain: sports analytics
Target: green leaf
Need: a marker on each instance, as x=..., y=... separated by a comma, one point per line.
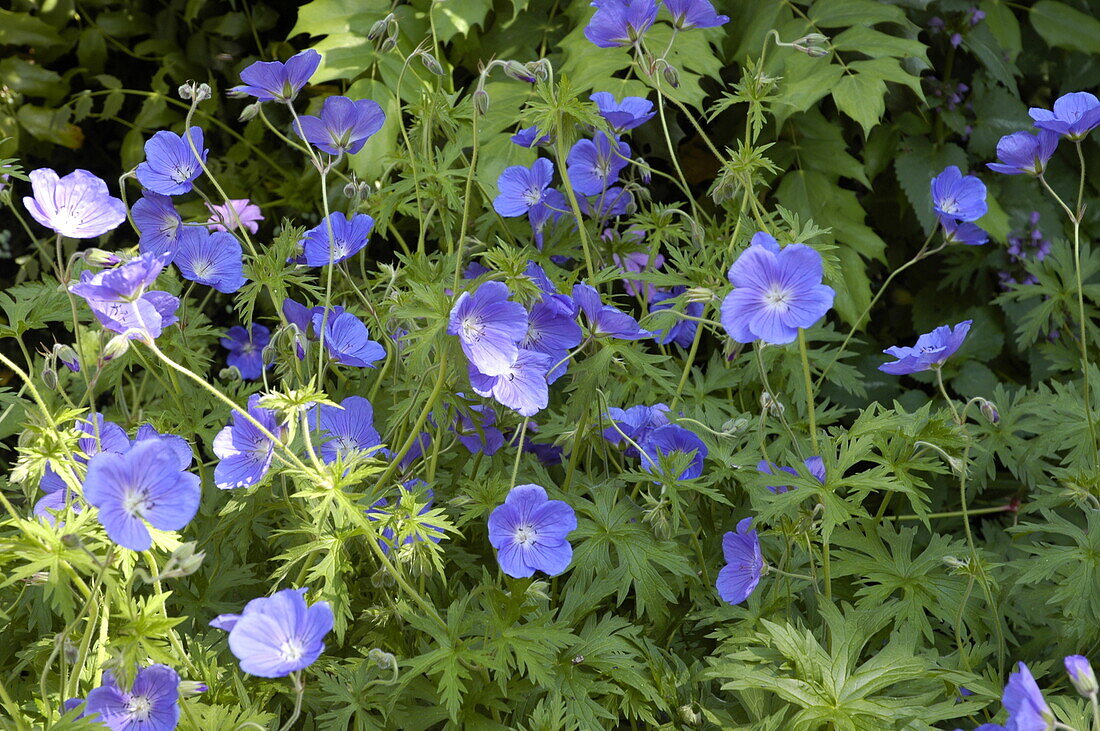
x=1062, y=26
x=876, y=44
x=916, y=165
x=370, y=162
x=862, y=99
x=23, y=29
x=847, y=13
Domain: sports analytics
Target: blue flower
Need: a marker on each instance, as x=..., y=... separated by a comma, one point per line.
x=529, y=532
x=214, y=259
x=1027, y=711
x=553, y=331
x=1074, y=116
x=246, y=349
x=480, y=435
x=814, y=465
x=637, y=422
x=276, y=81
x=688, y=14
x=670, y=438
x=151, y=703
x=143, y=484
x=683, y=332
x=170, y=166
x=277, y=635
x=969, y=234
x=522, y=188
x=347, y=339
x=595, y=164
x=488, y=326
x=159, y=223
x=78, y=205
x=631, y=112
x=346, y=430
x=614, y=201
x=638, y=261
x=744, y=564
x=176, y=445
x=957, y=196
x=530, y=137
x=119, y=300
x=522, y=386
x=606, y=320
x=776, y=292
x=343, y=126
x=245, y=453
x=620, y=22
x=1023, y=152
x=349, y=236
x=931, y=350
x=1081, y=675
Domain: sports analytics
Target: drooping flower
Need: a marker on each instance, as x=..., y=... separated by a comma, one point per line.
x=170, y=166
x=637, y=423
x=688, y=14
x=246, y=349
x=968, y=234
x=606, y=320
x=1074, y=116
x=346, y=430
x=349, y=236
x=1023, y=152
x=343, y=126
x=529, y=532
x=489, y=326
x=214, y=259
x=631, y=112
x=347, y=339
x=159, y=223
x=931, y=350
x=957, y=196
x=744, y=564
x=638, y=261
x=245, y=452
x=142, y=485
x=522, y=386
x=776, y=292
x=277, y=81
x=668, y=439
x=814, y=465
x=530, y=137
x=1027, y=711
x=683, y=331
x=234, y=213
x=522, y=188
x=478, y=432
x=151, y=703
x=1081, y=675
x=620, y=22
x=277, y=635
x=594, y=165
x=78, y=205
x=119, y=300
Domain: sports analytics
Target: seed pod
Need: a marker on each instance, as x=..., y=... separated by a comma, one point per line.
x=481, y=101
x=431, y=63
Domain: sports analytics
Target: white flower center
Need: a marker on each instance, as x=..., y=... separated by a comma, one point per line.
x=526, y=534
x=135, y=502
x=472, y=328
x=181, y=173
x=777, y=298
x=949, y=205
x=138, y=708
x=292, y=650
x=203, y=268
x=532, y=196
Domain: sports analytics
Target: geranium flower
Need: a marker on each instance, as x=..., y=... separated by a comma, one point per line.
x=957, y=196
x=119, y=300
x=1027, y=710
x=1074, y=116
x=170, y=166
x=277, y=81
x=744, y=564
x=277, y=635
x=815, y=466
x=522, y=188
x=606, y=320
x=78, y=205
x=346, y=430
x=595, y=164
x=529, y=532
x=246, y=349
x=620, y=22
x=245, y=452
x=480, y=435
x=347, y=339
x=683, y=331
x=688, y=14
x=530, y=137
x=151, y=703
x=349, y=236
x=225, y=217
x=931, y=350
x=631, y=112
x=343, y=126
x=637, y=422
x=158, y=222
x=664, y=440
x=522, y=386
x=489, y=326
x=214, y=259
x=1023, y=152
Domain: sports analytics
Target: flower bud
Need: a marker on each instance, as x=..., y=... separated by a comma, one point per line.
x=49, y=378
x=700, y=294
x=230, y=373
x=431, y=63
x=116, y=347
x=184, y=561
x=518, y=71
x=770, y=404
x=67, y=356
x=378, y=28
x=672, y=77
x=187, y=90
x=101, y=258
x=735, y=426
x=384, y=660
x=351, y=189
x=541, y=68
x=1081, y=675
x=481, y=101
x=249, y=112
x=813, y=45
x=388, y=45
x=989, y=411
x=202, y=92
x=191, y=687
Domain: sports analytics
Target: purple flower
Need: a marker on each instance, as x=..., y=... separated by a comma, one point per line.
x=637, y=422
x=956, y=232
x=151, y=704
x=143, y=484
x=170, y=165
x=529, y=532
x=606, y=320
x=226, y=217
x=349, y=236
x=277, y=635
x=347, y=339
x=546, y=453
x=553, y=331
x=244, y=451
x=522, y=387
x=595, y=164
x=159, y=223
x=744, y=564
x=551, y=208
x=620, y=22
x=683, y=332
x=776, y=292
x=346, y=430
x=479, y=435
x=631, y=112
x=522, y=189
x=530, y=137
x=78, y=205
x=688, y=14
x=958, y=197
x=119, y=300
x=276, y=81
x=343, y=126
x=1074, y=116
x=176, y=445
x=638, y=261
x=665, y=440
x=814, y=465
x=488, y=326
x=1027, y=711
x=213, y=259
x=58, y=496
x=612, y=202
x=246, y=349
x=1023, y=152
x=1081, y=675
x=930, y=351
x=102, y=436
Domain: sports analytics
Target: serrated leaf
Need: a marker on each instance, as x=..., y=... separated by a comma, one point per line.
x=861, y=97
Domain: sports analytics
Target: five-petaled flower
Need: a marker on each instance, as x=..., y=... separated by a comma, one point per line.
x=931, y=350
x=277, y=81
x=529, y=532
x=151, y=703
x=246, y=349
x=744, y=564
x=1074, y=116
x=78, y=205
x=343, y=126
x=170, y=166
x=489, y=326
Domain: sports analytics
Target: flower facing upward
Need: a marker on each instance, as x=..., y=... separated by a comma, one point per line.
x=529, y=532
x=170, y=165
x=814, y=465
x=346, y=430
x=522, y=188
x=119, y=300
x=349, y=236
x=629, y=113
x=245, y=452
x=744, y=564
x=143, y=484
x=159, y=223
x=595, y=164
x=957, y=196
x=1023, y=152
x=246, y=349
x=343, y=126
x=688, y=14
x=276, y=81
x=151, y=704
x=931, y=350
x=1027, y=711
x=620, y=22
x=78, y=205
x=237, y=210
x=522, y=387
x=1074, y=116
x=277, y=635
x=776, y=292
x=488, y=326
x=213, y=259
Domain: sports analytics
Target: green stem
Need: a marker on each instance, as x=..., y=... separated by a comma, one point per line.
x=809, y=388
x=13, y=709
x=582, y=229
x=690, y=361
x=952, y=513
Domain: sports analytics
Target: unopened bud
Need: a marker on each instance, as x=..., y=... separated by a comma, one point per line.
x=116, y=347
x=101, y=258
x=231, y=373
x=1081, y=675
x=388, y=44
x=249, y=112
x=518, y=71
x=735, y=426
x=989, y=411
x=431, y=63
x=184, y=561
x=541, y=68
x=187, y=90
x=192, y=687
x=49, y=378
x=770, y=404
x=351, y=189
x=378, y=28
x=813, y=45
x=671, y=76
x=384, y=660
x=700, y=294
x=481, y=101
x=202, y=92
x=67, y=356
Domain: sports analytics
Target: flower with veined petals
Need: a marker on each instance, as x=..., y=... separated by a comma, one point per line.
x=277, y=635
x=246, y=349
x=276, y=80
x=170, y=166
x=1074, y=116
x=522, y=188
x=343, y=126
x=744, y=564
x=931, y=350
x=529, y=532
x=78, y=205
x=151, y=703
x=489, y=326
x=957, y=196
x=227, y=216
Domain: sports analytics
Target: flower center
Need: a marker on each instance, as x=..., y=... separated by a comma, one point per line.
x=136, y=502
x=526, y=535
x=291, y=650
x=949, y=205
x=182, y=173
x=777, y=297
x=138, y=708
x=203, y=268
x=472, y=328
x=169, y=227
x=532, y=196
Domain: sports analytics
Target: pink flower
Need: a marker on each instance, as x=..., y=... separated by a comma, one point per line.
x=222, y=219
